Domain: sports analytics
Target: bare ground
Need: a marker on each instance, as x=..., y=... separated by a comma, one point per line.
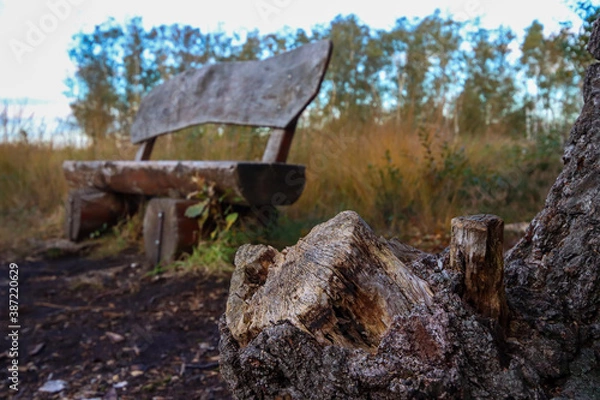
x=110, y=330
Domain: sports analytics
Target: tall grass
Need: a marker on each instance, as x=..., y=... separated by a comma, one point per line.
x=411, y=181
x=405, y=181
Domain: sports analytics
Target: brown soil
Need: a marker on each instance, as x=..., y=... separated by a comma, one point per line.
x=110, y=331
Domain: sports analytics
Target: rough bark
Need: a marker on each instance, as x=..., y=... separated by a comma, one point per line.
x=553, y=273
x=594, y=45
x=439, y=343
x=345, y=314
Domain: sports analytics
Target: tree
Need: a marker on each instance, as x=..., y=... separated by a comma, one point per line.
x=116, y=65
x=575, y=44
x=94, y=85
x=426, y=57
x=489, y=92
x=550, y=70
x=352, y=84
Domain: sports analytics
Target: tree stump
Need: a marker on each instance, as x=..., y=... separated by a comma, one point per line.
x=349, y=303
x=346, y=314
x=476, y=250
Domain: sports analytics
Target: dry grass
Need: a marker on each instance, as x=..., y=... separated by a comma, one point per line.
x=403, y=181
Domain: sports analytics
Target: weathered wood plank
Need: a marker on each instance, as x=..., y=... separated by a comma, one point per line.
x=167, y=231
x=244, y=183
x=270, y=93
x=279, y=144
x=145, y=150
x=476, y=249
x=89, y=210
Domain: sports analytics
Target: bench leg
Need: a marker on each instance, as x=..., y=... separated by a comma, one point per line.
x=167, y=231
x=89, y=210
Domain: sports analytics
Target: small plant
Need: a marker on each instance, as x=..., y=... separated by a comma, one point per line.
x=127, y=234
x=388, y=190
x=214, y=257
x=99, y=232
x=215, y=217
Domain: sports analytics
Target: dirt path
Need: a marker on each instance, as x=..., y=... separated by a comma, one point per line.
x=109, y=331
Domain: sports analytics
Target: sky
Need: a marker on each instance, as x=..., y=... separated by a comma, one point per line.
x=35, y=34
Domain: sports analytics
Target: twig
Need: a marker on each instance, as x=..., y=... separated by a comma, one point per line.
x=63, y=307
x=210, y=365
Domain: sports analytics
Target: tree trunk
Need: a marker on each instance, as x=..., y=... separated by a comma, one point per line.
x=344, y=314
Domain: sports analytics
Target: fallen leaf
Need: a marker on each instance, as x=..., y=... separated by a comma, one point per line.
x=114, y=337
x=112, y=314
x=120, y=385
x=37, y=348
x=53, y=386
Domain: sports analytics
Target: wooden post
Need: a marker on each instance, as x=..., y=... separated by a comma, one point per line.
x=278, y=146
x=476, y=249
x=145, y=150
x=167, y=231
x=89, y=210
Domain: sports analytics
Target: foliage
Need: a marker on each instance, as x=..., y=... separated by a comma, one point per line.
x=215, y=257
x=215, y=217
x=127, y=234
x=420, y=69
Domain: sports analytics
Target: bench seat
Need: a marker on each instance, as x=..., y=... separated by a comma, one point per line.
x=242, y=183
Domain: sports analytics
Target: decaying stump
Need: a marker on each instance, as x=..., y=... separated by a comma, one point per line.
x=344, y=314
x=343, y=286
x=476, y=250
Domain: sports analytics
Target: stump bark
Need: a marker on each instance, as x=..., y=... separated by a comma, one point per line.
x=344, y=314
x=476, y=250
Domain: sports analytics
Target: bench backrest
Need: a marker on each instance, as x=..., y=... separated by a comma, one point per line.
x=268, y=93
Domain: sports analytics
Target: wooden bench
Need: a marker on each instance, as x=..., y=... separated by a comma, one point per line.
x=270, y=93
